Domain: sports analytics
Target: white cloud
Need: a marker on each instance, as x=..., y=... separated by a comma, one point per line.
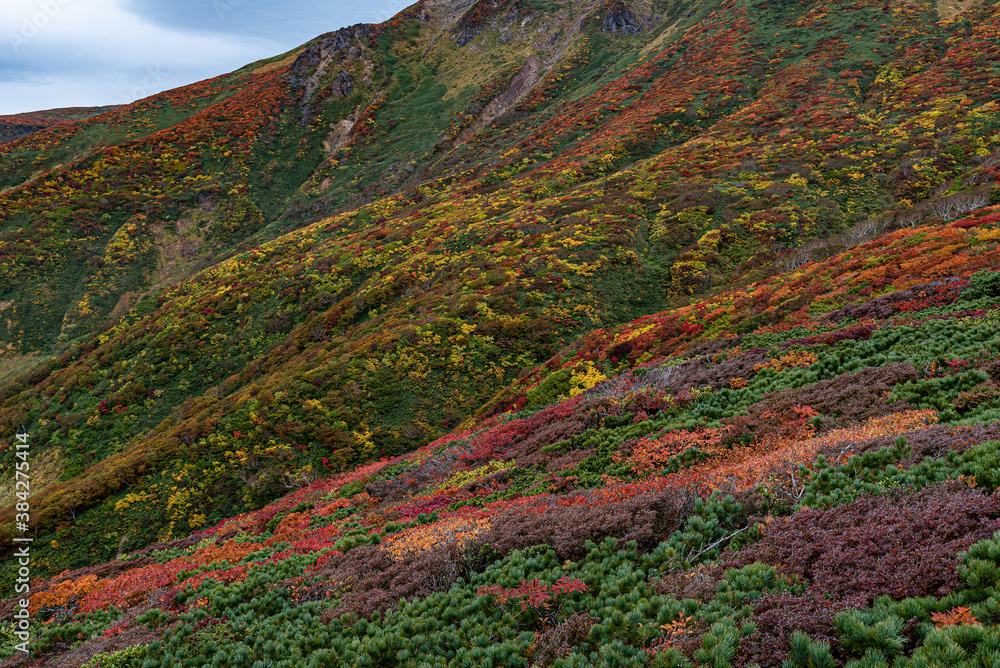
x=91, y=52
x=105, y=31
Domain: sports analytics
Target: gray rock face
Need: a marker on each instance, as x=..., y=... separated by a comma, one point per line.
x=620, y=19
x=332, y=45
x=343, y=86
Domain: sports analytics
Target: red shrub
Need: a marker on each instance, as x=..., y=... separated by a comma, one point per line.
x=900, y=545
x=777, y=616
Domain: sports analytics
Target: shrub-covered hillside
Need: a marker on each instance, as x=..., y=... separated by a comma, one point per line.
x=16, y=126
x=571, y=313
x=819, y=490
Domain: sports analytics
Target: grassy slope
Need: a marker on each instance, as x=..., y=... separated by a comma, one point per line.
x=16, y=126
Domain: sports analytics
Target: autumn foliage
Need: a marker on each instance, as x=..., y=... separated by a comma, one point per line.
x=505, y=339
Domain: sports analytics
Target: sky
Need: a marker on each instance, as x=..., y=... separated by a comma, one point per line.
x=83, y=53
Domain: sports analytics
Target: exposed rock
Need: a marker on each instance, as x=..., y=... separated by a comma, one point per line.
x=332, y=47
x=343, y=86
x=481, y=14
x=522, y=82
x=519, y=86
x=340, y=134
x=620, y=19
x=206, y=200
x=328, y=48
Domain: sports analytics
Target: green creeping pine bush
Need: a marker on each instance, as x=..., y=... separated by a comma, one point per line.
x=122, y=659
x=984, y=283
x=719, y=645
x=870, y=634
x=7, y=640
x=458, y=627
x=606, y=443
x=740, y=588
x=354, y=539
x=875, y=473
x=521, y=479
x=711, y=526
x=934, y=340
x=730, y=610
x=550, y=389
x=939, y=393
x=877, y=637
x=806, y=653
x=688, y=458
x=82, y=627
x=351, y=489
x=980, y=570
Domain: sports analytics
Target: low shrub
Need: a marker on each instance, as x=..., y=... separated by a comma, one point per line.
x=900, y=544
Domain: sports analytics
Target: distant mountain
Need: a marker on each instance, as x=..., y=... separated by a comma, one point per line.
x=15, y=126
x=384, y=316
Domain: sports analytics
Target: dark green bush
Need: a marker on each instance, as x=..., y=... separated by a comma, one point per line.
x=983, y=283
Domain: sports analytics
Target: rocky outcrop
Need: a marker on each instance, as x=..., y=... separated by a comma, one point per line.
x=343, y=85
x=484, y=13
x=620, y=20
x=337, y=45
x=333, y=47
x=522, y=82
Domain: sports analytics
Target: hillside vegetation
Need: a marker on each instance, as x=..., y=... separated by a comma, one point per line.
x=521, y=333
x=16, y=126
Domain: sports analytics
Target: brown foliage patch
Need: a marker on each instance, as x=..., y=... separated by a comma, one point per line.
x=844, y=400
x=700, y=583
x=373, y=582
x=560, y=641
x=899, y=545
x=566, y=523
x=777, y=616
x=933, y=442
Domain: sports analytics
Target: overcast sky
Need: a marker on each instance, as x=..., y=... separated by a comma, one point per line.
x=81, y=53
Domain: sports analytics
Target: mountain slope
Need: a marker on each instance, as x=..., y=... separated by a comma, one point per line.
x=15, y=126
x=807, y=448
x=229, y=291
x=402, y=316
